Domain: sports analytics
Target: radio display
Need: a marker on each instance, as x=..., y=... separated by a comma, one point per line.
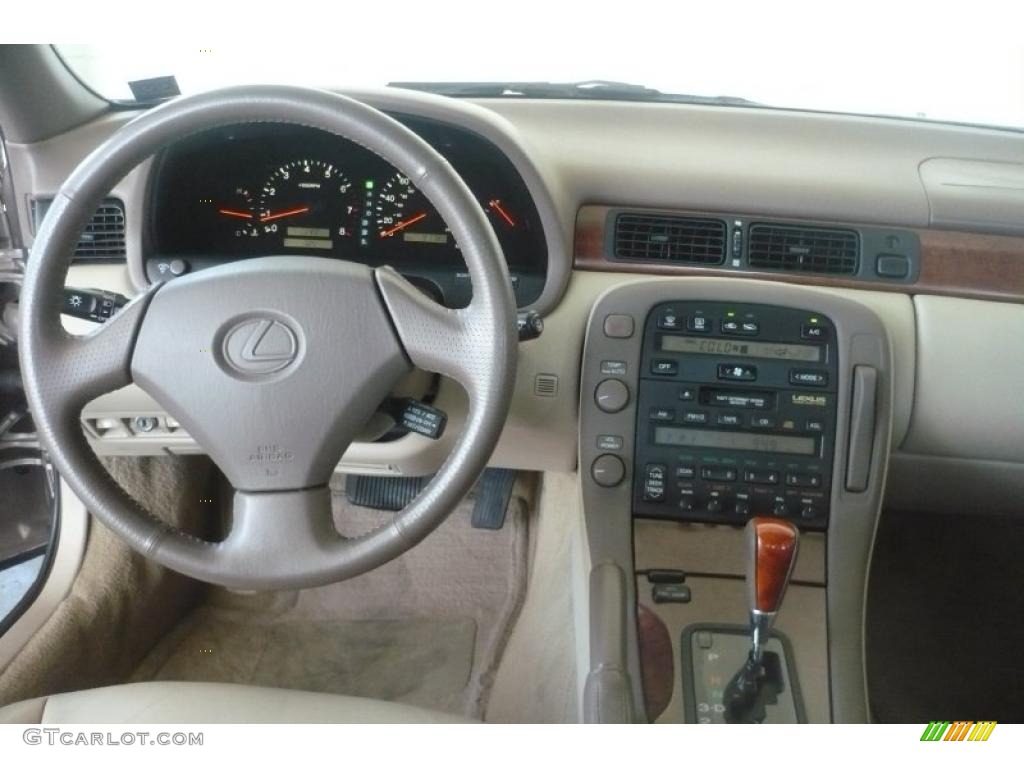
x=737, y=441
x=803, y=353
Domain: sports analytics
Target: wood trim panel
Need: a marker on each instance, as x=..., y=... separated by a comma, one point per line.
x=962, y=264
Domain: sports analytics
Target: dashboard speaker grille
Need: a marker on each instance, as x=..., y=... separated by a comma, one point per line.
x=803, y=249
x=103, y=238
x=676, y=239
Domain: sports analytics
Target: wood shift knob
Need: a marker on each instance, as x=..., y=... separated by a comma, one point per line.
x=772, y=545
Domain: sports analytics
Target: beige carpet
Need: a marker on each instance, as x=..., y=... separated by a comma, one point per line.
x=428, y=628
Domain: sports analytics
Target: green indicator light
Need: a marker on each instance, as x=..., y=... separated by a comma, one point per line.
x=814, y=320
x=368, y=184
x=730, y=314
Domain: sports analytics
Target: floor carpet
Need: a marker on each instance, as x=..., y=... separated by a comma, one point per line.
x=426, y=629
x=945, y=619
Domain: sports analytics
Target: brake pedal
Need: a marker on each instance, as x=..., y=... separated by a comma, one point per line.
x=383, y=491
x=493, y=495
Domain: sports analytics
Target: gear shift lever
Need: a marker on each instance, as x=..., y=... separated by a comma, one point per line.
x=771, y=552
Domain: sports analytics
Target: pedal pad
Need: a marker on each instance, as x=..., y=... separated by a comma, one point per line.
x=493, y=494
x=383, y=491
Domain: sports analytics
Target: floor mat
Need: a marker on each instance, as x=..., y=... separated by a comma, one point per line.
x=427, y=628
x=422, y=662
x=945, y=619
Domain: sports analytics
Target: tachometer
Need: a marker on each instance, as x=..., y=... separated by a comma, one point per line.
x=309, y=204
x=402, y=211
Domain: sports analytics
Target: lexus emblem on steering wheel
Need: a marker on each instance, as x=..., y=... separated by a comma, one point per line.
x=259, y=346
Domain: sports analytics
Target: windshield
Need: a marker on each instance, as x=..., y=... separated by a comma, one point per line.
x=915, y=63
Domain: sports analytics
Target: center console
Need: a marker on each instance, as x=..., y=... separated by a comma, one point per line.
x=736, y=413
x=706, y=403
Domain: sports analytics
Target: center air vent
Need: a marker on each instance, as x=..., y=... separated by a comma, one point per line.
x=803, y=249
x=103, y=236
x=677, y=239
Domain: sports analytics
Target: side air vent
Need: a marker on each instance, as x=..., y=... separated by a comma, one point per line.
x=676, y=239
x=803, y=249
x=102, y=239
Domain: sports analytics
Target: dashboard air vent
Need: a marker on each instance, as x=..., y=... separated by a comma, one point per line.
x=677, y=239
x=103, y=238
x=803, y=249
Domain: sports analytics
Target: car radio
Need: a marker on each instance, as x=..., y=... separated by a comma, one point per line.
x=736, y=413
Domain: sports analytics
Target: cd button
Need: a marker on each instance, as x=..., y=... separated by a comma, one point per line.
x=762, y=422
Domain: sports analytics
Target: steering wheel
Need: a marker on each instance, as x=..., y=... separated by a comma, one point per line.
x=272, y=364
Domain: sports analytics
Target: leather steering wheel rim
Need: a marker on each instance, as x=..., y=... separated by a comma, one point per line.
x=282, y=535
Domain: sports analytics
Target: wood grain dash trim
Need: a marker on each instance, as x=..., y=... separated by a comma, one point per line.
x=962, y=264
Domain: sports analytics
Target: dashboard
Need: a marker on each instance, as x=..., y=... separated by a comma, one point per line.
x=271, y=189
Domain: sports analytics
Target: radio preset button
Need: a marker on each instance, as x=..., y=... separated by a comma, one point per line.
x=608, y=470
x=737, y=372
x=761, y=477
x=803, y=480
x=664, y=367
x=805, y=378
x=611, y=395
x=718, y=474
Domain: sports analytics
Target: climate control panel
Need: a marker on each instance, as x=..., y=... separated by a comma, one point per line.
x=735, y=413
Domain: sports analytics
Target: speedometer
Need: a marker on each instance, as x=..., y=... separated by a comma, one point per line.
x=309, y=205
x=402, y=211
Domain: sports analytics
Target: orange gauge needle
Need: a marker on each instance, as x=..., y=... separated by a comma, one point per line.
x=282, y=214
x=239, y=214
x=403, y=224
x=496, y=205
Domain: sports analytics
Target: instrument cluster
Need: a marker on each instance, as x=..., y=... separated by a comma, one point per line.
x=267, y=189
